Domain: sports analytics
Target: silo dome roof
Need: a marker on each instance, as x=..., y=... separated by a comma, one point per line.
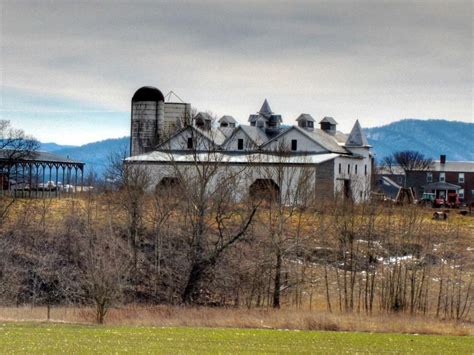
x=148, y=93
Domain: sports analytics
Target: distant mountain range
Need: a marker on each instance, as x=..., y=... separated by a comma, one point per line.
x=430, y=137
x=95, y=155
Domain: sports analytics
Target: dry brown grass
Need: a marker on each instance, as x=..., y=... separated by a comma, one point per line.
x=167, y=316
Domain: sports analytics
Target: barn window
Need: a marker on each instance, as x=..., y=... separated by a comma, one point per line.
x=294, y=144
x=365, y=169
x=240, y=144
x=310, y=124
x=348, y=168
x=190, y=143
x=355, y=169
x=461, y=178
x=340, y=168
x=461, y=194
x=442, y=177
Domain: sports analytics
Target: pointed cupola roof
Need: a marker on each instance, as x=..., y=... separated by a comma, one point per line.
x=357, y=136
x=265, y=111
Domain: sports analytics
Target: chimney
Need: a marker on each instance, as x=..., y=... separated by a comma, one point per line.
x=442, y=159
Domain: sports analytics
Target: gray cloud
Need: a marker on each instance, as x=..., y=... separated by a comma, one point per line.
x=373, y=60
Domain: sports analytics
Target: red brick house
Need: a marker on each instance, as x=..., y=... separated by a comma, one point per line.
x=445, y=177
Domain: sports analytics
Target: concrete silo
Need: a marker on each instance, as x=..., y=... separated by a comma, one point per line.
x=148, y=110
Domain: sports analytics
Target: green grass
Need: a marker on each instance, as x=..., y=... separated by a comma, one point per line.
x=74, y=339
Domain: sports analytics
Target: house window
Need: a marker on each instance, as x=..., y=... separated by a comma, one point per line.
x=461, y=178
x=461, y=194
x=355, y=169
x=310, y=124
x=365, y=169
x=340, y=168
x=348, y=168
x=294, y=144
x=190, y=143
x=442, y=177
x=429, y=177
x=240, y=144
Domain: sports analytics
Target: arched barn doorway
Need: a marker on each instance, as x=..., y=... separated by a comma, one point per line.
x=265, y=189
x=168, y=184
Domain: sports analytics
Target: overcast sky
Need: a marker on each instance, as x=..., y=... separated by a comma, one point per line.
x=70, y=68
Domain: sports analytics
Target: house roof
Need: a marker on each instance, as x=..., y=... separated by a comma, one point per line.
x=357, y=136
x=438, y=185
x=454, y=166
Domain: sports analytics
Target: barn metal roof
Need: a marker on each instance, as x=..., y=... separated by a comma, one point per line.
x=453, y=166
x=39, y=157
x=226, y=157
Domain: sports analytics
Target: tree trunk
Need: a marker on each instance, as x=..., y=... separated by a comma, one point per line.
x=277, y=282
x=191, y=291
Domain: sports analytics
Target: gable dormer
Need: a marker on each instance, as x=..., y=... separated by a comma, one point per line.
x=203, y=121
x=328, y=125
x=227, y=121
x=306, y=121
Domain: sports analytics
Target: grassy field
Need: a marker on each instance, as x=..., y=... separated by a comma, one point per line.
x=58, y=338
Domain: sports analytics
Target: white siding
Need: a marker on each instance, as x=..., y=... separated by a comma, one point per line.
x=231, y=144
x=305, y=144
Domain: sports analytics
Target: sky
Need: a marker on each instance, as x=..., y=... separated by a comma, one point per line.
x=68, y=69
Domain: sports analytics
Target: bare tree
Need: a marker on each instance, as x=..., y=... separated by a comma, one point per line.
x=408, y=160
x=15, y=145
x=212, y=222
x=288, y=190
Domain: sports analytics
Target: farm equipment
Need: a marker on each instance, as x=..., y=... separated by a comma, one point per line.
x=427, y=198
x=452, y=201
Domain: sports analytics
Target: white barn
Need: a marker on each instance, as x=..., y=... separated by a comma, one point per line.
x=264, y=155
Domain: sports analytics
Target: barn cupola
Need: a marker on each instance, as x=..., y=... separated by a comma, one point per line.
x=203, y=121
x=357, y=137
x=265, y=118
x=265, y=110
x=328, y=125
x=306, y=121
x=227, y=121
